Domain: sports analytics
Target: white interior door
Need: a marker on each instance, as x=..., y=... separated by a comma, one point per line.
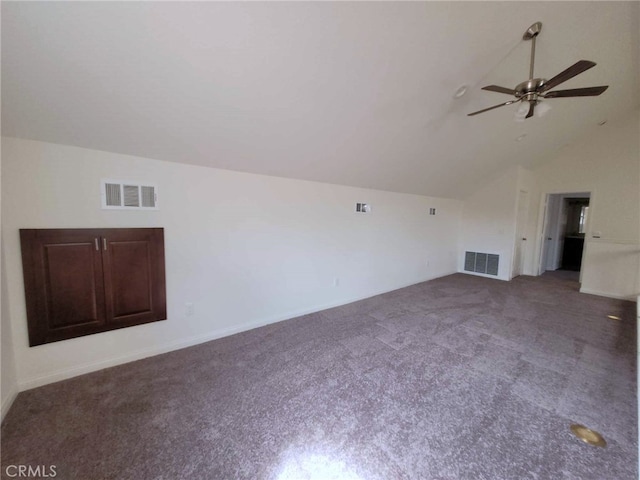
x=521, y=239
x=552, y=238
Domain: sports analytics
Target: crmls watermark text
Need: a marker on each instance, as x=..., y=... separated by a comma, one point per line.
x=25, y=471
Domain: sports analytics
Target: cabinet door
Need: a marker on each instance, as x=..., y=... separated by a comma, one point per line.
x=64, y=283
x=134, y=277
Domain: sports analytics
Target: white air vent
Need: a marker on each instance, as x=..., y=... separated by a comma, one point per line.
x=363, y=208
x=125, y=195
x=131, y=195
x=486, y=263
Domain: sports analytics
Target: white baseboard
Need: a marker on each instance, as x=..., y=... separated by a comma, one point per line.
x=65, y=374
x=191, y=341
x=7, y=401
x=633, y=298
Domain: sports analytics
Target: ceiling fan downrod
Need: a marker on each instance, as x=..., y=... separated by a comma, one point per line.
x=531, y=34
x=531, y=88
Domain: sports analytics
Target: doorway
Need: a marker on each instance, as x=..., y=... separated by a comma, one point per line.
x=566, y=220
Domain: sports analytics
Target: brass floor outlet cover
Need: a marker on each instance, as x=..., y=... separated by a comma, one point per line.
x=588, y=436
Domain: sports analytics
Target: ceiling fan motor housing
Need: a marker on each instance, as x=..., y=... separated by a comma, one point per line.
x=530, y=86
x=530, y=89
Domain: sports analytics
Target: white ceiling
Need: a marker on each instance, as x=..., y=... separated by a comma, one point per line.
x=351, y=93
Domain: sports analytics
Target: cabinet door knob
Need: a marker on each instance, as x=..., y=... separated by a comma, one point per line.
x=104, y=243
x=96, y=242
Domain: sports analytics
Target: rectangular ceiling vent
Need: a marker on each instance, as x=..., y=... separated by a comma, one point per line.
x=486, y=263
x=125, y=195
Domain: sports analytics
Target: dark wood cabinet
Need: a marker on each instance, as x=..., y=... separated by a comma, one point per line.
x=84, y=281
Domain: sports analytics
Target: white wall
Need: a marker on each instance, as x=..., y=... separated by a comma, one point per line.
x=244, y=249
x=605, y=162
x=9, y=384
x=8, y=381
x=488, y=221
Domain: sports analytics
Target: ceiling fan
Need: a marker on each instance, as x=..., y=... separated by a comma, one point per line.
x=536, y=89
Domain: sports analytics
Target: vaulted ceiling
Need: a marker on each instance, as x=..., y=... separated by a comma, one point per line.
x=358, y=94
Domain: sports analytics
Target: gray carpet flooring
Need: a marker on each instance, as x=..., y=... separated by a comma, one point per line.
x=457, y=378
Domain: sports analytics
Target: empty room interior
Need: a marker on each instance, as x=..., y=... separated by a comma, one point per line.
x=320, y=240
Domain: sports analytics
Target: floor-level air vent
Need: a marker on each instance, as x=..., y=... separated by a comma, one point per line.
x=123, y=195
x=481, y=263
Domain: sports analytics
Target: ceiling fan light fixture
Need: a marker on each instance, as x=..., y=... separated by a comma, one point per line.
x=521, y=112
x=542, y=108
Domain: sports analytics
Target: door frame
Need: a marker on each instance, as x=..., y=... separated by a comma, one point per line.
x=542, y=230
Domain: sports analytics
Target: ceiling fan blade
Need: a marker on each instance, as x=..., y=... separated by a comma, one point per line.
x=497, y=89
x=577, y=92
x=491, y=108
x=531, y=107
x=575, y=69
